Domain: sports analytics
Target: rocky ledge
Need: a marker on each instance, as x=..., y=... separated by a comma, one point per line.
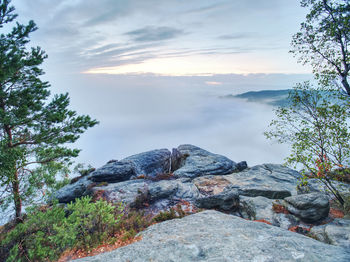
x=214, y=236
x=157, y=180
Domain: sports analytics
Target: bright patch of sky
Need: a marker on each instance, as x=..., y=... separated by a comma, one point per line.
x=166, y=37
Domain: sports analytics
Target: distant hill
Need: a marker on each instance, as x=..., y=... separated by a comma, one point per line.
x=270, y=97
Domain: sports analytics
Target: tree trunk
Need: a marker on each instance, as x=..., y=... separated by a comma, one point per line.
x=16, y=196
x=346, y=85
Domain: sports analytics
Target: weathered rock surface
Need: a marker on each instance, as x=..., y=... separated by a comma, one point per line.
x=308, y=207
x=256, y=208
x=151, y=163
x=71, y=191
x=336, y=233
x=125, y=192
x=214, y=236
x=260, y=208
x=227, y=200
x=268, y=180
x=199, y=162
x=112, y=172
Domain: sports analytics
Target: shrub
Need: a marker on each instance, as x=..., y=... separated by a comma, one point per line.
x=46, y=233
x=32, y=239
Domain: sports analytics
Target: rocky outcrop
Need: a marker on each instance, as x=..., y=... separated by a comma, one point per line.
x=226, y=200
x=112, y=172
x=151, y=163
x=199, y=162
x=214, y=236
x=270, y=181
x=72, y=191
x=310, y=207
x=157, y=180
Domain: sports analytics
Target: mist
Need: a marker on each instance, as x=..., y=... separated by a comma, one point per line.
x=141, y=113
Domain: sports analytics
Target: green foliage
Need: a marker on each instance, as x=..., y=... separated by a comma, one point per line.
x=47, y=232
x=34, y=131
x=323, y=40
x=33, y=240
x=316, y=127
x=133, y=222
x=91, y=222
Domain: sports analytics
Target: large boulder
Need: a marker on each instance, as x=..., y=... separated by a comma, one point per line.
x=227, y=200
x=126, y=192
x=151, y=163
x=310, y=207
x=70, y=192
x=199, y=162
x=214, y=236
x=112, y=172
x=261, y=208
x=267, y=180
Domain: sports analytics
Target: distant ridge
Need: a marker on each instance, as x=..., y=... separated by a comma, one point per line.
x=270, y=97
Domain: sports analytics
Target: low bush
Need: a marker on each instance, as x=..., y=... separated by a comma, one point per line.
x=46, y=233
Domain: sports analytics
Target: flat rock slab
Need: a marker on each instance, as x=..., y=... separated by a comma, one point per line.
x=308, y=207
x=214, y=236
x=268, y=180
x=199, y=162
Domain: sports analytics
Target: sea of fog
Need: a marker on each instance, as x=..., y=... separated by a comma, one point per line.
x=141, y=113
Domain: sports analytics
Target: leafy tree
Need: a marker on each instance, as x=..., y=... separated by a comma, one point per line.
x=315, y=125
x=323, y=40
x=34, y=132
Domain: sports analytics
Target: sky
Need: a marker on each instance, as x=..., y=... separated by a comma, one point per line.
x=153, y=71
x=166, y=37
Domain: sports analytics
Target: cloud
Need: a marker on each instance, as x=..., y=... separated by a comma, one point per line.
x=236, y=36
x=150, y=33
x=213, y=83
x=207, y=8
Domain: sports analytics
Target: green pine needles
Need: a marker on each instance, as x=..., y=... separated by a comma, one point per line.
x=34, y=129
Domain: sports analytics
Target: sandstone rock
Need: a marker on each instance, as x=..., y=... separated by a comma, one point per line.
x=308, y=207
x=242, y=165
x=256, y=208
x=200, y=162
x=228, y=199
x=151, y=163
x=214, y=236
x=116, y=171
x=336, y=233
x=125, y=192
x=260, y=208
x=162, y=189
x=186, y=191
x=268, y=180
x=70, y=192
x=177, y=159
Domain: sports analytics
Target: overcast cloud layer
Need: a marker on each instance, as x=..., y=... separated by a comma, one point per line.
x=123, y=62
x=187, y=37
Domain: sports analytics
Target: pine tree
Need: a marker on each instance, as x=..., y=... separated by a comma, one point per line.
x=34, y=126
